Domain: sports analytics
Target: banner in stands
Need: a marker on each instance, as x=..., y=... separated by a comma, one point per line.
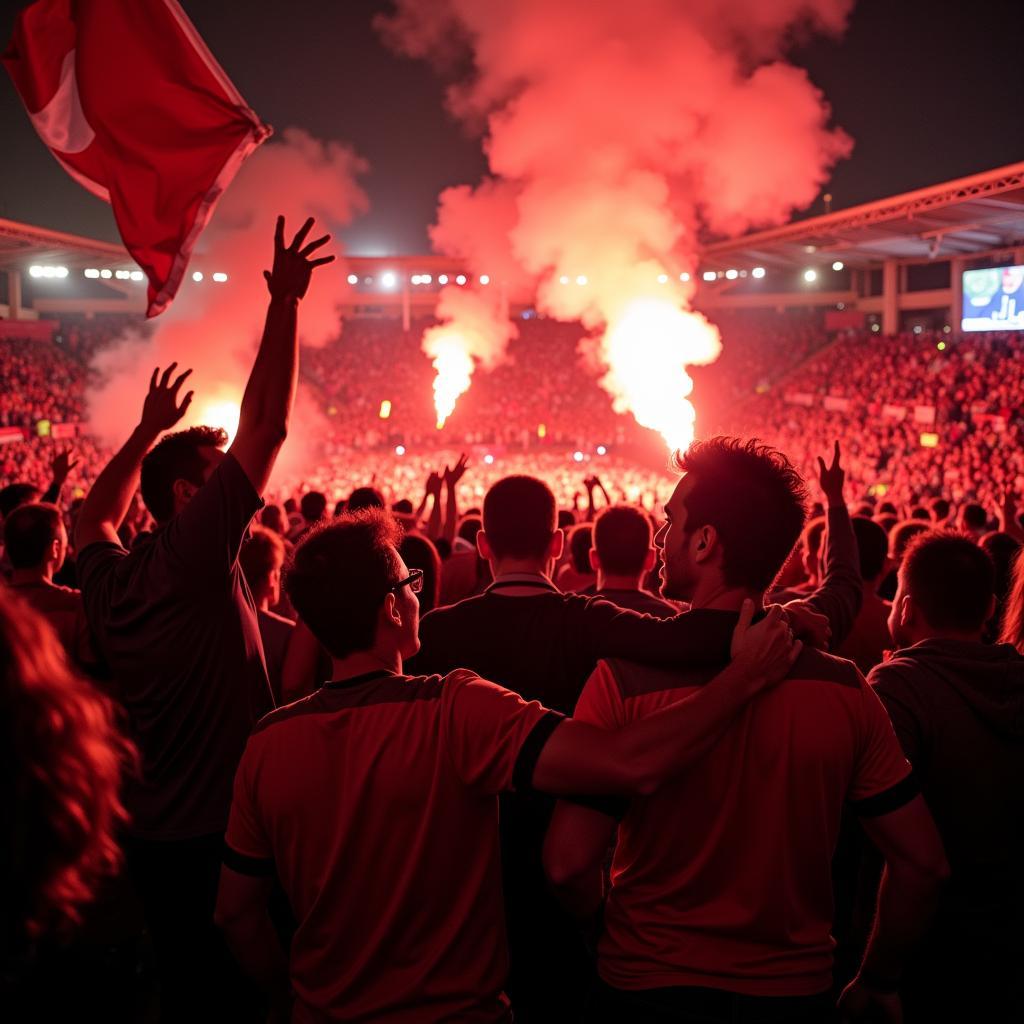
x=993, y=299
x=11, y=434
x=31, y=330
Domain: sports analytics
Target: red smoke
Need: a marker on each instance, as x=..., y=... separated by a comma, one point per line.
x=215, y=327
x=616, y=133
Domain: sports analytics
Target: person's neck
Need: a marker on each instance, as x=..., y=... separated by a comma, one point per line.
x=715, y=595
x=972, y=637
x=521, y=566
x=40, y=574
x=611, y=581
x=362, y=662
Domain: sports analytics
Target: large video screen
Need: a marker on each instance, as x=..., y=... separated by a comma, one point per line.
x=993, y=300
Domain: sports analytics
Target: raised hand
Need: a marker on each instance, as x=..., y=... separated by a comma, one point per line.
x=767, y=649
x=453, y=475
x=292, y=266
x=832, y=478
x=62, y=465
x=434, y=484
x=161, y=410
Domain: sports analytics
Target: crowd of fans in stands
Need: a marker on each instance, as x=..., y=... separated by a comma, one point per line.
x=659, y=678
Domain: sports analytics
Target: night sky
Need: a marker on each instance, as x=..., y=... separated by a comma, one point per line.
x=929, y=91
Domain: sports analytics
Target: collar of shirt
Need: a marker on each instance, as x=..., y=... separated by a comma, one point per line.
x=522, y=584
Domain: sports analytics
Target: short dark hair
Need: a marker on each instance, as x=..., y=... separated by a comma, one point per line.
x=313, y=505
x=520, y=517
x=262, y=552
x=950, y=579
x=581, y=540
x=470, y=527
x=402, y=507
x=753, y=497
x=975, y=516
x=177, y=457
x=622, y=537
x=364, y=497
x=340, y=574
x=920, y=512
x=17, y=494
x=940, y=509
x=873, y=545
x=902, y=534
x=28, y=531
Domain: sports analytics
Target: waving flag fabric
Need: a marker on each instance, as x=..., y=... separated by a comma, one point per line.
x=129, y=99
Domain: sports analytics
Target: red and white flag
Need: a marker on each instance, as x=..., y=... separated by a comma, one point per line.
x=129, y=99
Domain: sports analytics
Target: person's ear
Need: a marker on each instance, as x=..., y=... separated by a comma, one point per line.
x=905, y=612
x=391, y=615
x=55, y=549
x=650, y=560
x=705, y=543
x=183, y=491
x=483, y=545
x=595, y=559
x=557, y=545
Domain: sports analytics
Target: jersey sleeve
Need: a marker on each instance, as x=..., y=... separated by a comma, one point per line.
x=247, y=848
x=493, y=736
x=900, y=701
x=601, y=703
x=883, y=780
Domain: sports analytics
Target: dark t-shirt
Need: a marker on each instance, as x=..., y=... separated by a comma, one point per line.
x=639, y=601
x=175, y=621
x=544, y=645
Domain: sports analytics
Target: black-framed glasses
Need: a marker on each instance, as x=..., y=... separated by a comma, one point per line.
x=414, y=581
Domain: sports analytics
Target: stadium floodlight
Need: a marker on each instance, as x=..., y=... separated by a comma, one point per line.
x=461, y=279
x=564, y=279
x=220, y=277
x=663, y=279
x=757, y=272
x=838, y=265
x=60, y=272
x=442, y=279
x=485, y=279
x=810, y=275
x=197, y=275
x=399, y=449
x=489, y=459
x=731, y=275
x=353, y=279
x=601, y=450
x=581, y=280
x=709, y=275
x=415, y=279
x=138, y=275
x=577, y=456
x=425, y=279
x=388, y=279
x=106, y=274
x=684, y=277
x=125, y=275
x=92, y=272
x=34, y=271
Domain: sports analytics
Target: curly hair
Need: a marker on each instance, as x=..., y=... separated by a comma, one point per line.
x=63, y=759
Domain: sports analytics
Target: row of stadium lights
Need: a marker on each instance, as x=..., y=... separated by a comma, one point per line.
x=389, y=279
x=106, y=274
x=577, y=456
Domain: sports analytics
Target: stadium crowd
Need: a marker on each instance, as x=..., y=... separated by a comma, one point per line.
x=594, y=744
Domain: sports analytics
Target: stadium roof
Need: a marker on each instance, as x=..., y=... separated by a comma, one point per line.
x=22, y=244
x=958, y=218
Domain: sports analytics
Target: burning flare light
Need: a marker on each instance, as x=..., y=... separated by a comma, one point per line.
x=219, y=414
x=647, y=350
x=454, y=367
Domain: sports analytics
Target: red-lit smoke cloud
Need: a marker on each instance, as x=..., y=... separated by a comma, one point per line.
x=215, y=327
x=615, y=133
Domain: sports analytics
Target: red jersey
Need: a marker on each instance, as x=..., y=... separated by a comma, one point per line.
x=374, y=800
x=722, y=878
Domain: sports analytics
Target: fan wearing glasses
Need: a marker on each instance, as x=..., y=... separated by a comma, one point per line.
x=373, y=801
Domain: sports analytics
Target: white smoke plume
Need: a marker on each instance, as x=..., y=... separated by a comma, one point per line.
x=616, y=133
